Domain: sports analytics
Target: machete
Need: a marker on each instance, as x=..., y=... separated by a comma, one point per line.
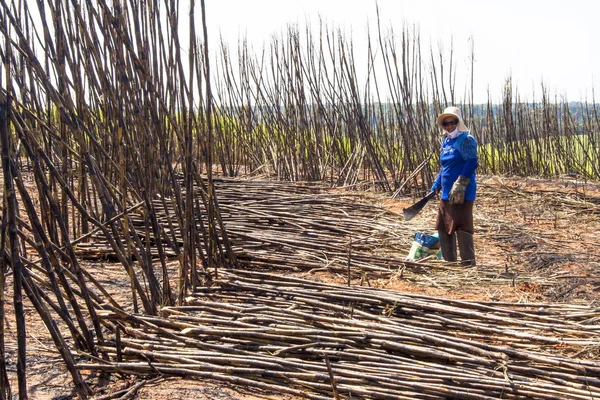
x=417, y=207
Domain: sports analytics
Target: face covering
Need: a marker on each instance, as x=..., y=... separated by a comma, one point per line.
x=453, y=134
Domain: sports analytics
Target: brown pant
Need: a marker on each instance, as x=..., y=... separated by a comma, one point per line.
x=456, y=221
x=455, y=217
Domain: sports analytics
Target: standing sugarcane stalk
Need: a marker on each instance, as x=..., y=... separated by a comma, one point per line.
x=4, y=384
x=9, y=232
x=15, y=260
x=5, y=392
x=212, y=210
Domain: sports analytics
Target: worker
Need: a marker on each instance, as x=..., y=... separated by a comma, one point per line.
x=457, y=187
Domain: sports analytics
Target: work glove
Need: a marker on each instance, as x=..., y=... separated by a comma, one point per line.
x=436, y=187
x=457, y=193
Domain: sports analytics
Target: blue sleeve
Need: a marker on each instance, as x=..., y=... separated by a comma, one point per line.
x=470, y=167
x=437, y=184
x=468, y=150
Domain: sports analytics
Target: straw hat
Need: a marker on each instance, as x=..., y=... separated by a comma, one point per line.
x=453, y=112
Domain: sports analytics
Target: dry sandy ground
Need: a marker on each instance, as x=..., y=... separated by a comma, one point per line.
x=540, y=228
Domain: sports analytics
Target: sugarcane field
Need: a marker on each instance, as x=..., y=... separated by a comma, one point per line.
x=185, y=218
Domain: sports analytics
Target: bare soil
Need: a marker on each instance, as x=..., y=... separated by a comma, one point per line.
x=535, y=227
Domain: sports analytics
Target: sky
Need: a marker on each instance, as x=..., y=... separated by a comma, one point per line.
x=535, y=42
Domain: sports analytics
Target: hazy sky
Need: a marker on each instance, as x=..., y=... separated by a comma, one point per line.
x=535, y=41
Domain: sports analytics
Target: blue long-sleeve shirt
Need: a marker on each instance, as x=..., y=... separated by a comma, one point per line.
x=458, y=157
